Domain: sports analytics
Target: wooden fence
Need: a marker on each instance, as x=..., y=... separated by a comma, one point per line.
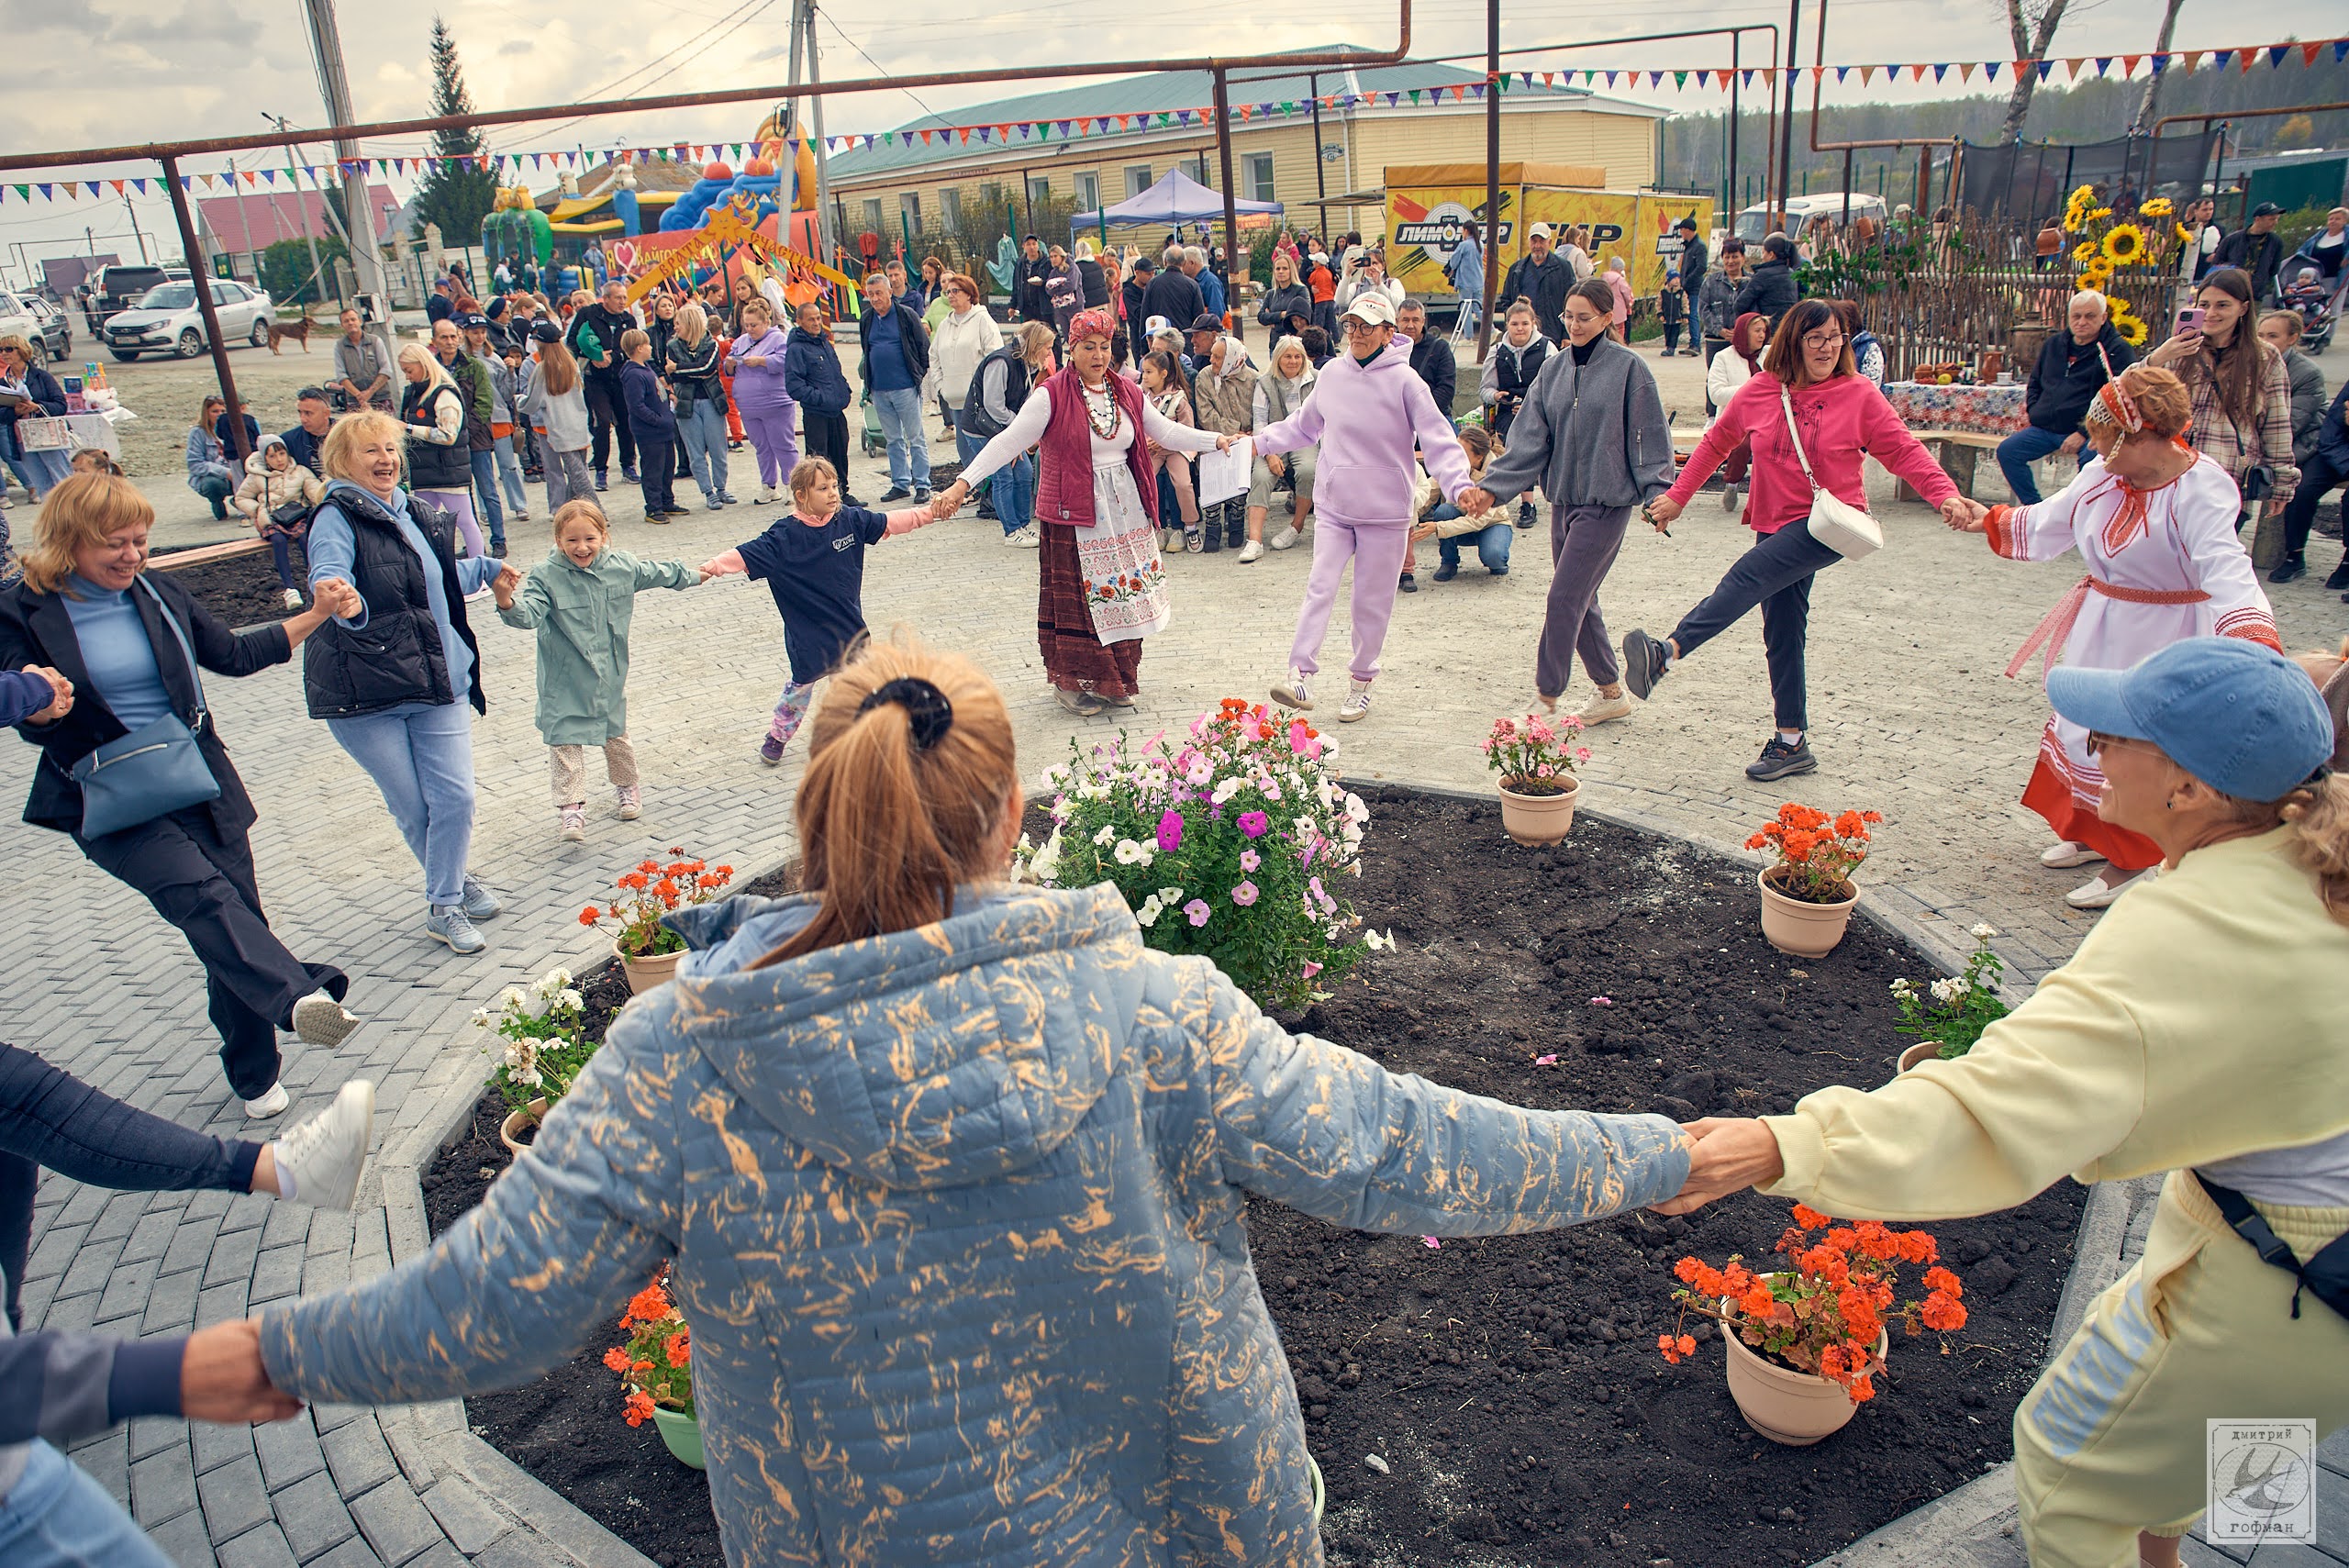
x=1932, y=302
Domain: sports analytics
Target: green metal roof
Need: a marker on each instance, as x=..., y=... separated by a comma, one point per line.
x=1161, y=91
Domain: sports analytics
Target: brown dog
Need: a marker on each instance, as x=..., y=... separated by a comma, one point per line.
x=298, y=330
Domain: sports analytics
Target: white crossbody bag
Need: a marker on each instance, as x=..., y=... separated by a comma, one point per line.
x=1843, y=527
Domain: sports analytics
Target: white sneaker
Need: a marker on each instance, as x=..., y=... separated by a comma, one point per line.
x=326, y=1154
x=1170, y=542
x=2096, y=894
x=1024, y=539
x=519, y=516
x=1604, y=708
x=1357, y=704
x=764, y=497
x=631, y=801
x=1286, y=538
x=1252, y=551
x=271, y=1104
x=293, y=598
x=1294, y=691
x=2063, y=855
x=321, y=1020
x=574, y=824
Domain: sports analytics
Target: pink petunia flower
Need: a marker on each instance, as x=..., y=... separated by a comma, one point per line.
x=1255, y=824
x=1249, y=860
x=1430, y=1243
x=1170, y=831
x=1244, y=894
x=1198, y=910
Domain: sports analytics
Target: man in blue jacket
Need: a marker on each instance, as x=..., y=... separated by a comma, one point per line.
x=896, y=356
x=2073, y=366
x=2326, y=469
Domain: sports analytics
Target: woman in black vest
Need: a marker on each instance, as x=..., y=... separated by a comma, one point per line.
x=391, y=678
x=1508, y=375
x=86, y=608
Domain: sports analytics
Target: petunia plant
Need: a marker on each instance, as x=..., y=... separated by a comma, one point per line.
x=543, y=1047
x=1230, y=840
x=651, y=890
x=655, y=1363
x=1953, y=1010
x=1824, y=1313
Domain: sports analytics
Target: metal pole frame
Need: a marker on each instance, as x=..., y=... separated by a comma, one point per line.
x=202, y=281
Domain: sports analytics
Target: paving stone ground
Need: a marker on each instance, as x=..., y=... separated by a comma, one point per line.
x=1911, y=716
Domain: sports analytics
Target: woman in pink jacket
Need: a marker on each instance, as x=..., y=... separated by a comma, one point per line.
x=1807, y=376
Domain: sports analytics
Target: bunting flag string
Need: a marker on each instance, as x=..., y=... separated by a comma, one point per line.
x=2240, y=57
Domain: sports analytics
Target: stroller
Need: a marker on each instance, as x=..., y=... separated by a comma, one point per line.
x=2307, y=292
x=875, y=444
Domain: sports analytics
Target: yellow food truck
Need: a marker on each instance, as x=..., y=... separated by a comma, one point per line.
x=1426, y=203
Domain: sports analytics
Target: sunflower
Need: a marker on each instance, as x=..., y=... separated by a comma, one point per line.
x=2125, y=243
x=2083, y=251
x=2133, y=330
x=2088, y=282
x=2100, y=214
x=2184, y=235
x=2158, y=207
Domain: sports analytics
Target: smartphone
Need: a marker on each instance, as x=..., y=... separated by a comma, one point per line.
x=2190, y=319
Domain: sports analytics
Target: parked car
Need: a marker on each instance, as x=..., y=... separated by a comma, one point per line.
x=24, y=315
x=122, y=285
x=167, y=321
x=57, y=328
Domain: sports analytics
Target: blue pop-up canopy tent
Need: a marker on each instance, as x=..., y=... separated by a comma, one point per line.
x=1175, y=200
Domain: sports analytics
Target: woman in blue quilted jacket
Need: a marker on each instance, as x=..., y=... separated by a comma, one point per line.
x=951, y=1170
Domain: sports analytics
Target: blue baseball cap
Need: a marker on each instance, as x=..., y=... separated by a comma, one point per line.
x=2237, y=715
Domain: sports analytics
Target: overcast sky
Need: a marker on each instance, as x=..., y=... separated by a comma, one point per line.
x=120, y=71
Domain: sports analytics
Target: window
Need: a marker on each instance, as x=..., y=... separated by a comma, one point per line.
x=909, y=208
x=1088, y=191
x=1137, y=179
x=1198, y=170
x=1258, y=180
x=1040, y=189
x=949, y=209
x=873, y=215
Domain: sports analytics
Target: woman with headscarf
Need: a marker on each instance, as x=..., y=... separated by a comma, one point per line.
x=1102, y=586
x=1620, y=287
x=1223, y=396
x=2153, y=521
x=1722, y=378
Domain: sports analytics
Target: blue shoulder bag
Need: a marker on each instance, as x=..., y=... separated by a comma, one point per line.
x=156, y=769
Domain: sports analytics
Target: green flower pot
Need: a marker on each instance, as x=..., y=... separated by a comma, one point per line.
x=682, y=1433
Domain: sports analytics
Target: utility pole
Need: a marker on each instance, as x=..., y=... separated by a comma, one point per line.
x=1786, y=127
x=334, y=86
x=317, y=274
x=827, y=238
x=135, y=230
x=1492, y=226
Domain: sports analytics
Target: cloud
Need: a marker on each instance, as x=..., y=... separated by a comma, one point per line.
x=516, y=46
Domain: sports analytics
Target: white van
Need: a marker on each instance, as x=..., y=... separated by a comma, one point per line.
x=1753, y=223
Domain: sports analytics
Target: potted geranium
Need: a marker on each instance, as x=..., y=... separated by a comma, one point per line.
x=1808, y=896
x=1230, y=841
x=542, y=1051
x=1536, y=757
x=649, y=950
x=656, y=1367
x=1948, y=1014
x=1806, y=1343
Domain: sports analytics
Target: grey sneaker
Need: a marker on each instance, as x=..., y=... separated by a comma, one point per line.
x=1778, y=761
x=321, y=1020
x=1643, y=661
x=326, y=1155
x=481, y=903
x=450, y=923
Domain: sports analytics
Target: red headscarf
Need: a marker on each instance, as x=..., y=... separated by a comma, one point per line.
x=1753, y=356
x=1095, y=323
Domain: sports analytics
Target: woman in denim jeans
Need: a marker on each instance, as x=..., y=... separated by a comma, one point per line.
x=701, y=404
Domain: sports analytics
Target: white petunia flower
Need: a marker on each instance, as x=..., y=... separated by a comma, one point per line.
x=1109, y=832
x=1983, y=931
x=1170, y=895
x=1150, y=911
x=1226, y=790
x=1355, y=811
x=1376, y=941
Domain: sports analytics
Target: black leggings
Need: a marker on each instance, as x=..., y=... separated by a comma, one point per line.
x=50, y=1118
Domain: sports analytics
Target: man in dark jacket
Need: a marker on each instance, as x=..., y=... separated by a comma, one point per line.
x=1543, y=279
x=2072, y=366
x=813, y=376
x=607, y=410
x=1770, y=290
x=1134, y=289
x=1173, y=295
x=896, y=356
x=2256, y=250
x=1694, y=263
x=1430, y=356
x=2327, y=468
x=1030, y=296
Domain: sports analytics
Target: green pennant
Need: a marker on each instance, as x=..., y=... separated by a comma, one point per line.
x=1288, y=106
x=1415, y=94
x=1680, y=79
x=1588, y=77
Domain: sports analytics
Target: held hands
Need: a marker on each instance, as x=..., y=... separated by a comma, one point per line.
x=1225, y=443
x=944, y=504
x=1963, y=516
x=61, y=695
x=503, y=585
x=1661, y=512
x=1475, y=501
x=222, y=1378
x=1729, y=1156
x=337, y=597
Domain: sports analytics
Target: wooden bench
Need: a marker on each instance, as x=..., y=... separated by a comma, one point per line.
x=1957, y=451
x=228, y=550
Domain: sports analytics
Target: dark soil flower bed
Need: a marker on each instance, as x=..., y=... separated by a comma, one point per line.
x=1512, y=1385
x=241, y=590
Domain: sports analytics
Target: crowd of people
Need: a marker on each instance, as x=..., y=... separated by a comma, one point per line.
x=2205, y=771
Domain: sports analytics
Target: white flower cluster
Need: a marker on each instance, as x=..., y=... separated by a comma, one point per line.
x=1904, y=989
x=1949, y=990
x=1983, y=931
x=1157, y=904
x=522, y=1060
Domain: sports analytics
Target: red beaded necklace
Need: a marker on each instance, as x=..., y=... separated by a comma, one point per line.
x=1116, y=411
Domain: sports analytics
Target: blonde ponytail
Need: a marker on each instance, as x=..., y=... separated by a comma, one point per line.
x=889, y=828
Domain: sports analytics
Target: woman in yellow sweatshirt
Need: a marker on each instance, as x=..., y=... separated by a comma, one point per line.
x=2199, y=1030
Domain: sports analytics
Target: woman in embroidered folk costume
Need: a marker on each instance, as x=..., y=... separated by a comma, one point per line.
x=2155, y=522
x=1103, y=587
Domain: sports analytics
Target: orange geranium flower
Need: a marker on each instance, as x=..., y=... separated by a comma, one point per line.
x=1943, y=1313
x=678, y=1347
x=1944, y=1281
x=639, y=1406
x=617, y=1359
x=1810, y=1218
x=648, y=1305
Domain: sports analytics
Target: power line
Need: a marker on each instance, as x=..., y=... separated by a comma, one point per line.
x=754, y=9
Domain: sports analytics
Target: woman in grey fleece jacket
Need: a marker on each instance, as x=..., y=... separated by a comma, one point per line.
x=1592, y=433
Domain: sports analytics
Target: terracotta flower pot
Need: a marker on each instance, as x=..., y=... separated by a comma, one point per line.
x=645, y=974
x=1796, y=1408
x=1804, y=930
x=1923, y=1050
x=1538, y=819
x=682, y=1433
x=511, y=1131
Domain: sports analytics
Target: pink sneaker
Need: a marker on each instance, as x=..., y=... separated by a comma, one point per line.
x=631, y=801
x=574, y=823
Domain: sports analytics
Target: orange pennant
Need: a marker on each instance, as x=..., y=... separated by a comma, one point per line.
x=2072, y=66
x=2128, y=65
x=2308, y=52
x=1965, y=70
x=1916, y=73
x=2193, y=57
x=1867, y=74
x=2243, y=58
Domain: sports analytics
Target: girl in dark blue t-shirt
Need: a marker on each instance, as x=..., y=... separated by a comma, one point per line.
x=812, y=560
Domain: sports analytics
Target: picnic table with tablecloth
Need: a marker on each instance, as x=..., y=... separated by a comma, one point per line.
x=1989, y=410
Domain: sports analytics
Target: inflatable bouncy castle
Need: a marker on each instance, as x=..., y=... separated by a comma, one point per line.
x=779, y=180
x=515, y=230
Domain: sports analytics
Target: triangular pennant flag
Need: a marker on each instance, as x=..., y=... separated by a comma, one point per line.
x=2161, y=63
x=1749, y=76
x=26, y=195
x=44, y=189
x=117, y=186
x=1064, y=127
x=1916, y=73
x=2340, y=51
x=268, y=174
x=2045, y=66
x=2103, y=64
x=1965, y=70
x=2192, y=58
x=2276, y=53
x=1990, y=69
x=1794, y=74
x=2308, y=52
x=1550, y=78
x=2072, y=67
x=925, y=138
x=1528, y=76
x=141, y=184
x=1185, y=114
x=1817, y=72
x=2245, y=59
x=2222, y=58
x=1867, y=74
x=1395, y=98
x=1655, y=77
x=965, y=131
x=1415, y=94
x=1720, y=77
x=1939, y=71
x=2128, y=65
x=984, y=131
x=1610, y=79
x=1004, y=131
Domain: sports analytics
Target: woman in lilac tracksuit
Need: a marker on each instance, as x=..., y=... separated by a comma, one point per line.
x=768, y=412
x=1366, y=409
